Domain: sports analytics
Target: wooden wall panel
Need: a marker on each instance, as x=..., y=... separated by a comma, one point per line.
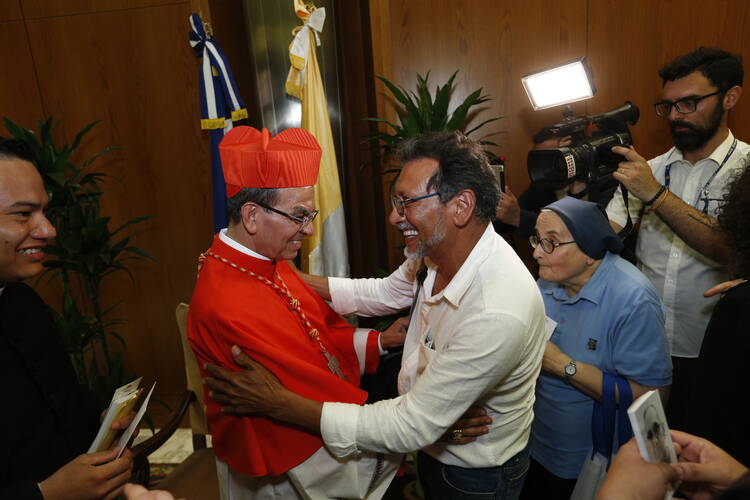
x=19, y=93
x=10, y=10
x=361, y=185
x=34, y=9
x=383, y=29
x=134, y=70
x=494, y=43
x=229, y=27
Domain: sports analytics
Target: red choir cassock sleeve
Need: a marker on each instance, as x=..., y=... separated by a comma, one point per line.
x=228, y=308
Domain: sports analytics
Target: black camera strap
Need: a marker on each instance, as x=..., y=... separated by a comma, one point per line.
x=625, y=231
x=420, y=276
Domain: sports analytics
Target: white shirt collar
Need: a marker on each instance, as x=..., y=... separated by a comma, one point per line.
x=459, y=284
x=223, y=236
x=722, y=149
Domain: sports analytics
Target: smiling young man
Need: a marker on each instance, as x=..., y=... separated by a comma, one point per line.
x=49, y=420
x=679, y=248
x=476, y=336
x=24, y=230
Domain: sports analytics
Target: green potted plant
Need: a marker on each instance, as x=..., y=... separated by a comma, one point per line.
x=85, y=252
x=420, y=112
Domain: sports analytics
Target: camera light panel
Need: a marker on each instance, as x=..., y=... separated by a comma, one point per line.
x=561, y=85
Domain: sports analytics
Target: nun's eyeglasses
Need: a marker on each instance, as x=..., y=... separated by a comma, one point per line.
x=547, y=244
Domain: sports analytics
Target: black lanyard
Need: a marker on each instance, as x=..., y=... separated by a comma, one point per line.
x=421, y=275
x=704, y=191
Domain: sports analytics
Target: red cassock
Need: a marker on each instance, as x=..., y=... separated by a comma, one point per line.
x=228, y=308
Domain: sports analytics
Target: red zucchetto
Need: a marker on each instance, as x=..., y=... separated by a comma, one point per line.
x=250, y=158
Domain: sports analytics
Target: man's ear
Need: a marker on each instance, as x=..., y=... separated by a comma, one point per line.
x=248, y=214
x=731, y=97
x=464, y=204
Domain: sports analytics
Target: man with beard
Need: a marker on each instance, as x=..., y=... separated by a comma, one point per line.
x=476, y=336
x=676, y=198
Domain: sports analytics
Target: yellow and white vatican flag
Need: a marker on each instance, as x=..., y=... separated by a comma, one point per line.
x=325, y=253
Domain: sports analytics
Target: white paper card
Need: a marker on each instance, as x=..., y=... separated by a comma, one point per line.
x=121, y=395
x=651, y=430
x=134, y=424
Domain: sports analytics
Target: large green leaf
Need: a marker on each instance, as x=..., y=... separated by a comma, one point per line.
x=85, y=130
x=459, y=114
x=442, y=100
x=19, y=132
x=381, y=120
x=412, y=110
x=130, y=223
x=397, y=93
x=411, y=125
x=424, y=101
x=99, y=154
x=139, y=252
x=474, y=129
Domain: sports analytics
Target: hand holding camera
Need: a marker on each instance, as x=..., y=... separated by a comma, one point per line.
x=635, y=174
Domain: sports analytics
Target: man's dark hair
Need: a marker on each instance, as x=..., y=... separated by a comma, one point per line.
x=249, y=195
x=15, y=149
x=462, y=165
x=723, y=69
x=735, y=223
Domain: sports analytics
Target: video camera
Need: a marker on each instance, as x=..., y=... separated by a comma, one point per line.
x=589, y=157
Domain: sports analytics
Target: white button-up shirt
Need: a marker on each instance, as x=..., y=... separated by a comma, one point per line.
x=479, y=341
x=679, y=273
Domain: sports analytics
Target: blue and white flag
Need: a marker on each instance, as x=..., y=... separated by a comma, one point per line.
x=221, y=105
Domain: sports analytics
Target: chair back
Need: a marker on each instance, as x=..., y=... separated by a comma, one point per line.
x=197, y=410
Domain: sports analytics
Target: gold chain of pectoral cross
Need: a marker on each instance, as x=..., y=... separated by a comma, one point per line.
x=294, y=305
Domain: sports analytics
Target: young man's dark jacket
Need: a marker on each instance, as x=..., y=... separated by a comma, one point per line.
x=47, y=418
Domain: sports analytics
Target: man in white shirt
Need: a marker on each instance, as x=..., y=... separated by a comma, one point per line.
x=476, y=335
x=679, y=193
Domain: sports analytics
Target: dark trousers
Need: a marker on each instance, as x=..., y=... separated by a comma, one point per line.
x=542, y=484
x=450, y=482
x=685, y=372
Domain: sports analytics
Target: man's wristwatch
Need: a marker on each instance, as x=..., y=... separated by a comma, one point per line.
x=570, y=370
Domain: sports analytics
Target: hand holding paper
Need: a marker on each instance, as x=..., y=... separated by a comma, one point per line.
x=125, y=438
x=90, y=476
x=705, y=468
x=120, y=416
x=632, y=478
x=651, y=431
